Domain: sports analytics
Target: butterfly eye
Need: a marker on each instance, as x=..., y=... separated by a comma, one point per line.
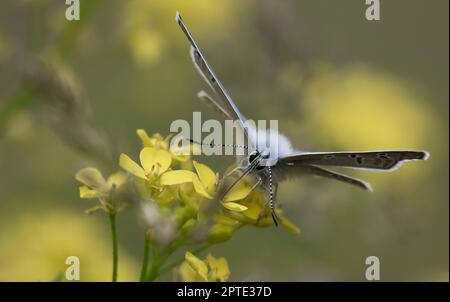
x=253, y=156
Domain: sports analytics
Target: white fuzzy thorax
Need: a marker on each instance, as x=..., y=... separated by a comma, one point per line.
x=271, y=141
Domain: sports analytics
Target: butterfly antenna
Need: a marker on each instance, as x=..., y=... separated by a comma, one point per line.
x=271, y=201
x=217, y=145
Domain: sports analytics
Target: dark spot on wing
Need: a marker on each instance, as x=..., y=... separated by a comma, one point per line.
x=383, y=156
x=359, y=160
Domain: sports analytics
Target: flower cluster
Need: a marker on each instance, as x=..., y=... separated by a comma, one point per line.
x=211, y=269
x=181, y=206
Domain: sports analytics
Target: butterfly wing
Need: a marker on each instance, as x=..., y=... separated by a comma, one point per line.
x=208, y=74
x=371, y=160
x=210, y=102
x=283, y=172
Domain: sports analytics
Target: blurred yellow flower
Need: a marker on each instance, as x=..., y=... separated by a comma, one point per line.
x=36, y=249
x=372, y=109
x=95, y=186
x=363, y=108
x=148, y=34
x=146, y=45
x=211, y=269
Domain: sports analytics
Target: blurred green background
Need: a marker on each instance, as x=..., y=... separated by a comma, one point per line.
x=73, y=93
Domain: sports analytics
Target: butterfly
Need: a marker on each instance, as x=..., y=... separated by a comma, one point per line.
x=271, y=165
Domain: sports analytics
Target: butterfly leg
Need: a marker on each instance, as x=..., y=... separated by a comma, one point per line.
x=273, y=195
x=237, y=169
x=272, y=189
x=256, y=184
x=271, y=201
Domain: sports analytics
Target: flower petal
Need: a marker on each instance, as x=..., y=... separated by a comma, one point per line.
x=148, y=159
x=160, y=142
x=255, y=204
x=199, y=188
x=131, y=166
x=197, y=265
x=253, y=211
x=233, y=206
x=219, y=270
x=91, y=177
x=116, y=179
x=176, y=177
x=183, y=153
x=238, y=192
x=155, y=161
x=87, y=193
x=289, y=226
x=207, y=176
x=187, y=274
x=146, y=141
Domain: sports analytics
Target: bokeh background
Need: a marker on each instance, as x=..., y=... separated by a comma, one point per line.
x=73, y=93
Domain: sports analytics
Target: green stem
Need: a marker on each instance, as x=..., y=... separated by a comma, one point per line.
x=145, y=259
x=112, y=220
x=154, y=268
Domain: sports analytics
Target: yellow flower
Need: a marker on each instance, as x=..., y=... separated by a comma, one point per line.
x=240, y=203
x=157, y=157
x=240, y=191
x=179, y=154
x=211, y=269
x=205, y=184
x=218, y=269
x=204, y=181
x=254, y=205
x=156, y=141
x=154, y=162
x=95, y=186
